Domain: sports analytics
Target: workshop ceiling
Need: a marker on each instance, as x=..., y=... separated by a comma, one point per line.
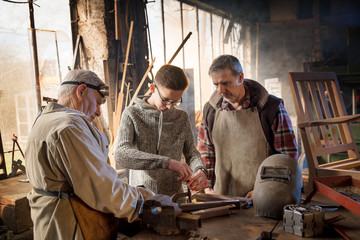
x=262, y=11
x=250, y=11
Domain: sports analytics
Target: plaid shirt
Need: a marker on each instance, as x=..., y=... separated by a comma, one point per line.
x=284, y=138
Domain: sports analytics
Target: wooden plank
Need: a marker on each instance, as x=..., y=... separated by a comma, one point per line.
x=76, y=51
x=117, y=114
x=214, y=212
x=342, y=164
x=189, y=207
x=348, y=165
x=334, y=120
x=187, y=221
x=14, y=206
x=334, y=149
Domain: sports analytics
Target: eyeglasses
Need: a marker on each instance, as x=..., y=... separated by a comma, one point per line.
x=168, y=102
x=103, y=90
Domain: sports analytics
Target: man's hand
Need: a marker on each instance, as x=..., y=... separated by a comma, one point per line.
x=197, y=181
x=250, y=194
x=209, y=191
x=180, y=167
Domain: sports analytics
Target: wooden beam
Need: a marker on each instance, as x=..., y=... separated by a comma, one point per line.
x=76, y=50
x=126, y=57
x=180, y=47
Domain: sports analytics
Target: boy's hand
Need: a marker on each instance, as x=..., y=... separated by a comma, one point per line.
x=180, y=167
x=197, y=181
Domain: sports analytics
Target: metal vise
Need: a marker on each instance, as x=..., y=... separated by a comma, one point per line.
x=165, y=217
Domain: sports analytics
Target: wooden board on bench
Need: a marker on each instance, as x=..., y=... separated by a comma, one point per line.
x=14, y=206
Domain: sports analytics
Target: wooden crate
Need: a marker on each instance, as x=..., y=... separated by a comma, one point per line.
x=14, y=206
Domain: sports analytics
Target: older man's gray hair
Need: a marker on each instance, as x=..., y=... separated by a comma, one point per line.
x=84, y=76
x=226, y=62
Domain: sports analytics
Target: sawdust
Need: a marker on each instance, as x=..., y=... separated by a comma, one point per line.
x=349, y=191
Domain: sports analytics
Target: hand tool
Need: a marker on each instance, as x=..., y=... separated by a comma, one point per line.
x=189, y=195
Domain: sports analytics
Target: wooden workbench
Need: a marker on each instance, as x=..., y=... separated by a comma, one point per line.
x=14, y=206
x=246, y=225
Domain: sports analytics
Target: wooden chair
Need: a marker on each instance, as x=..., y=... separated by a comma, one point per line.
x=324, y=125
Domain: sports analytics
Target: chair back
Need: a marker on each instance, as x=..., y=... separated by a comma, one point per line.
x=322, y=120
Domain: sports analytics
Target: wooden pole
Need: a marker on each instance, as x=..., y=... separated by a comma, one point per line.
x=163, y=27
x=35, y=55
x=76, y=51
x=127, y=94
x=180, y=47
x=127, y=57
x=117, y=114
x=120, y=99
x=117, y=19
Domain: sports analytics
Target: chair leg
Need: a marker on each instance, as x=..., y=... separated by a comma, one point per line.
x=309, y=197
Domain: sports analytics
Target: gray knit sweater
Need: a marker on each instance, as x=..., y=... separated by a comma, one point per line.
x=147, y=138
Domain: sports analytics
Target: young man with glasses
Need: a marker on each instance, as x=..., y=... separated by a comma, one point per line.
x=153, y=135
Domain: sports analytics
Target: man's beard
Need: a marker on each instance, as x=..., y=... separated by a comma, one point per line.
x=229, y=97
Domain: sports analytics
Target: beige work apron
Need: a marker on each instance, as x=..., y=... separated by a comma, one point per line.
x=240, y=147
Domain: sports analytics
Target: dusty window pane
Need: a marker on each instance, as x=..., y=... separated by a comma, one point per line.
x=196, y=59
x=17, y=86
x=156, y=33
x=205, y=56
x=23, y=128
x=49, y=65
x=227, y=46
x=217, y=35
x=191, y=49
x=173, y=31
x=21, y=100
x=55, y=16
x=237, y=46
x=22, y=114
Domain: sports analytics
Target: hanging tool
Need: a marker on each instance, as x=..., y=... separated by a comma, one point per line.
x=16, y=165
